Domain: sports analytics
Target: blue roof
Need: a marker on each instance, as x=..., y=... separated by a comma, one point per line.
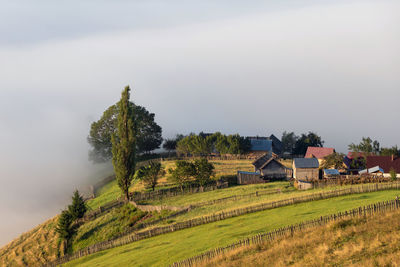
x=331, y=172
x=248, y=172
x=372, y=170
x=261, y=144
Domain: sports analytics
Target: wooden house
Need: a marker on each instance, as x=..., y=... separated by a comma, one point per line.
x=270, y=168
x=306, y=169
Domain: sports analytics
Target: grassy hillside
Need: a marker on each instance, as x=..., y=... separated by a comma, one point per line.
x=32, y=248
x=371, y=241
x=111, y=191
x=165, y=249
x=41, y=244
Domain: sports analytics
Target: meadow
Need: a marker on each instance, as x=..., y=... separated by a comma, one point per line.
x=168, y=248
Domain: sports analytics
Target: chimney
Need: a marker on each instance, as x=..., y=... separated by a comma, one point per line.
x=392, y=157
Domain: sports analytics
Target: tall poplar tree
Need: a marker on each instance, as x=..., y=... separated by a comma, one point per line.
x=124, y=144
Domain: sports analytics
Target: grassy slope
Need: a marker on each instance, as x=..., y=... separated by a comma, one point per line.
x=165, y=249
x=111, y=191
x=36, y=246
x=373, y=241
x=40, y=244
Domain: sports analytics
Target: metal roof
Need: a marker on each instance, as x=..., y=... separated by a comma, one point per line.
x=260, y=144
x=243, y=172
x=331, y=172
x=306, y=163
x=372, y=170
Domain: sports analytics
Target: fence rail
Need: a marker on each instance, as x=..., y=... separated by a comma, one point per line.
x=368, y=210
x=123, y=240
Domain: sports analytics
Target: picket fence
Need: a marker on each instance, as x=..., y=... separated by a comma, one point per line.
x=129, y=238
x=368, y=210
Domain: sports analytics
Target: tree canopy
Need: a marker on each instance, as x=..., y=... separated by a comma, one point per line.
x=150, y=174
x=148, y=132
x=202, y=144
x=298, y=144
x=367, y=146
x=334, y=160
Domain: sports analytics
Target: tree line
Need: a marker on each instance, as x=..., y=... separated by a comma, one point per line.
x=205, y=144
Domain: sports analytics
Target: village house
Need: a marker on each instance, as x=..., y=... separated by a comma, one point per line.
x=319, y=153
x=306, y=169
x=266, y=144
x=270, y=168
x=385, y=163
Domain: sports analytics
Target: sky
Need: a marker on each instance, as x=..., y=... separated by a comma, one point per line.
x=232, y=66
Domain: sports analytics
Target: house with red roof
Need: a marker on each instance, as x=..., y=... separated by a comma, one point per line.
x=319, y=153
x=386, y=163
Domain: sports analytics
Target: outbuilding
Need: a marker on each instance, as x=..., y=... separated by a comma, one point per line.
x=306, y=169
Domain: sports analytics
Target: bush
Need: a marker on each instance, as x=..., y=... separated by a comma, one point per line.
x=393, y=174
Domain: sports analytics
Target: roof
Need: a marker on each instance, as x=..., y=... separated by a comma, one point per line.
x=352, y=155
x=254, y=173
x=269, y=161
x=372, y=170
x=260, y=144
x=331, y=172
x=261, y=160
x=319, y=152
x=385, y=162
x=305, y=163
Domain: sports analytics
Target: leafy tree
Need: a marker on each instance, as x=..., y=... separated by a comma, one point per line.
x=124, y=144
x=204, y=171
x=150, y=174
x=393, y=174
x=148, y=132
x=221, y=143
x=289, y=141
x=306, y=140
x=358, y=163
x=183, y=173
x=334, y=160
x=388, y=151
x=367, y=146
x=170, y=144
x=78, y=207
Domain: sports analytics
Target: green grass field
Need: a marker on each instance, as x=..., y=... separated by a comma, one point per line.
x=165, y=249
x=111, y=191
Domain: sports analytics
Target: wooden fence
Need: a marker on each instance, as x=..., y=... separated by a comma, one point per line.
x=287, y=231
x=129, y=238
x=349, y=179
x=176, y=191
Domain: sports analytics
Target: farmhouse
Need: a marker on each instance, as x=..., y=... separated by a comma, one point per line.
x=266, y=144
x=306, y=169
x=386, y=163
x=270, y=168
x=319, y=153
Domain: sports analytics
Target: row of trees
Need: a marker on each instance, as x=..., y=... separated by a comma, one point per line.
x=202, y=144
x=297, y=145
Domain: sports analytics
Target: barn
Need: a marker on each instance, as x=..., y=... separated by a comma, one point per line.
x=270, y=168
x=306, y=169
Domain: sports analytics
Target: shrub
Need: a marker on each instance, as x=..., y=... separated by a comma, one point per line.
x=393, y=174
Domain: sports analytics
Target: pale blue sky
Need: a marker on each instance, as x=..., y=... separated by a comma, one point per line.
x=253, y=68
